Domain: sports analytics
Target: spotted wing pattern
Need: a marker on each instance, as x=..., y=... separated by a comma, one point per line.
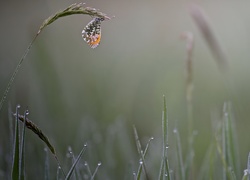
x=92, y=32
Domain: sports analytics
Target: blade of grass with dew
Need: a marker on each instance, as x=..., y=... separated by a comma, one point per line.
x=76, y=161
x=46, y=169
x=139, y=149
x=227, y=141
x=246, y=175
x=15, y=164
x=179, y=154
x=96, y=169
x=22, y=148
x=144, y=155
x=77, y=171
x=88, y=168
x=232, y=146
x=71, y=10
x=164, y=168
x=226, y=173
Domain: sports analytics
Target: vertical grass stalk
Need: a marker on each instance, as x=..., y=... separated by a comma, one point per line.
x=164, y=168
x=15, y=164
x=188, y=37
x=179, y=154
x=22, y=148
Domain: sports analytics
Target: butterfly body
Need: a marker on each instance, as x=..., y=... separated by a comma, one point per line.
x=92, y=32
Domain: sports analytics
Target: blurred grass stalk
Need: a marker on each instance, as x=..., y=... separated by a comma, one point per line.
x=71, y=10
x=164, y=168
x=142, y=156
x=201, y=20
x=188, y=37
x=230, y=146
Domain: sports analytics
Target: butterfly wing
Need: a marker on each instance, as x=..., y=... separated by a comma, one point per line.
x=92, y=32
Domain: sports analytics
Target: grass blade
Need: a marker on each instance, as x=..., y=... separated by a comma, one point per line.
x=46, y=171
x=246, y=175
x=164, y=168
x=139, y=149
x=207, y=167
x=75, y=163
x=88, y=168
x=22, y=148
x=232, y=146
x=33, y=127
x=217, y=50
x=189, y=38
x=144, y=155
x=15, y=165
x=179, y=154
x=96, y=169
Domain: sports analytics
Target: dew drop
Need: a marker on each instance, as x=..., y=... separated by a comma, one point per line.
x=99, y=164
x=246, y=172
x=69, y=149
x=86, y=144
x=18, y=106
x=152, y=138
x=167, y=146
x=27, y=112
x=85, y=163
x=141, y=162
x=175, y=130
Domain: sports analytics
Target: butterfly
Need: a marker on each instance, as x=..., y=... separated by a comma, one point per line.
x=91, y=34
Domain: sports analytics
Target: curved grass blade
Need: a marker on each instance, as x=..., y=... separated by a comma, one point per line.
x=212, y=41
x=30, y=125
x=75, y=163
x=71, y=10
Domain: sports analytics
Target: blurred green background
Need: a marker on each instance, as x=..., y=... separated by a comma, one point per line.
x=76, y=94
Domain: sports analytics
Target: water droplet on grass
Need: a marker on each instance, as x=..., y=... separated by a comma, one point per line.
x=27, y=112
x=175, y=130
